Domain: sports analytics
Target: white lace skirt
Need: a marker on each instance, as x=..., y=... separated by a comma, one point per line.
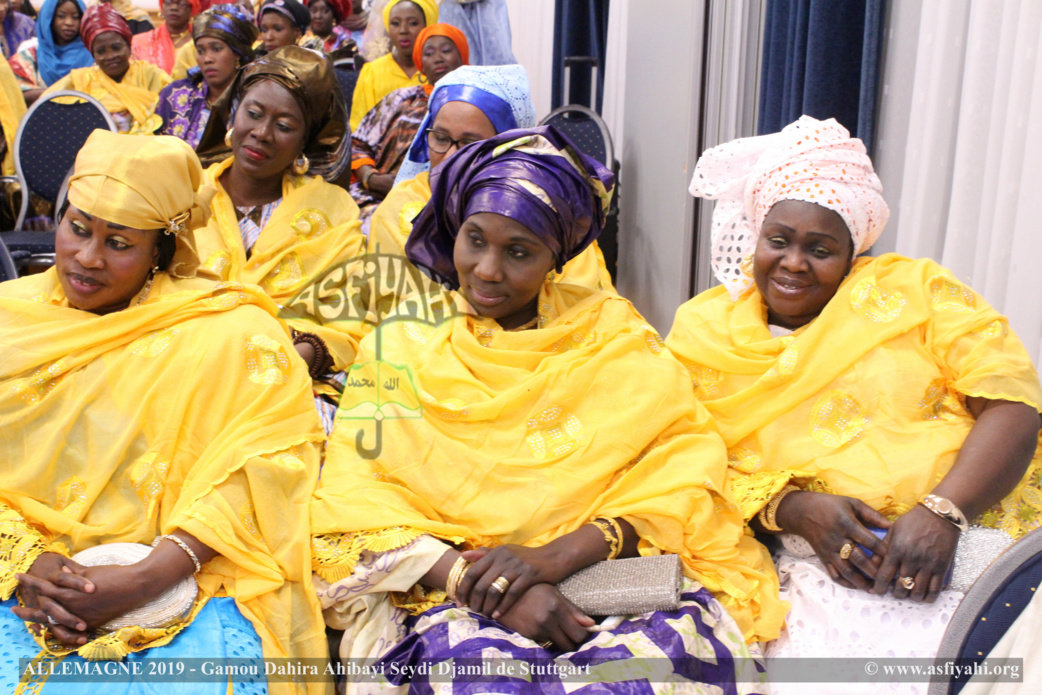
x=830, y=621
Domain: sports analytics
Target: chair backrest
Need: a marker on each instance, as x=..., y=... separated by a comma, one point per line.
x=586, y=129
x=8, y=271
x=991, y=605
x=49, y=137
x=347, y=75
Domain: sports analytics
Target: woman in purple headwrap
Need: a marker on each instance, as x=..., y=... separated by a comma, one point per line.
x=497, y=462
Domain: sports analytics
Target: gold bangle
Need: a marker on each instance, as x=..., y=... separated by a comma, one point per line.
x=459, y=568
x=184, y=546
x=365, y=179
x=768, y=513
x=607, y=525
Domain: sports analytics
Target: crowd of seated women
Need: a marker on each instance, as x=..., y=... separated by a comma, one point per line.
x=404, y=472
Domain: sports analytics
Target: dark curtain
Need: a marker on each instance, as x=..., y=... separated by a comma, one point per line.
x=580, y=31
x=821, y=58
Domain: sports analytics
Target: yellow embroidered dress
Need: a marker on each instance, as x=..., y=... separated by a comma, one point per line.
x=131, y=101
x=313, y=236
x=486, y=437
x=181, y=412
x=868, y=397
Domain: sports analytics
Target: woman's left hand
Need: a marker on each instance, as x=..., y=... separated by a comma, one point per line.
x=920, y=546
x=522, y=567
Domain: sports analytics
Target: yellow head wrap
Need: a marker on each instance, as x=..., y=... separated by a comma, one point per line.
x=429, y=7
x=144, y=182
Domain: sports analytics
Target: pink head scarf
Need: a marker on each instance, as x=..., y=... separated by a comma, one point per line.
x=810, y=160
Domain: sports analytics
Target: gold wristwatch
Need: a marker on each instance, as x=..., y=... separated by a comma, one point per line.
x=946, y=509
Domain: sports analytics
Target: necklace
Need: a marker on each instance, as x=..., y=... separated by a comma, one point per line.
x=177, y=37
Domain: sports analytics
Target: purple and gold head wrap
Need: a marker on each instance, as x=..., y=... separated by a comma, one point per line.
x=232, y=24
x=536, y=177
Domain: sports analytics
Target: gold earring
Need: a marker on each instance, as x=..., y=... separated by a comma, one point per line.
x=228, y=137
x=301, y=165
x=147, y=287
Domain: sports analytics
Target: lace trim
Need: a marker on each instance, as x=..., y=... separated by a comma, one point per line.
x=752, y=491
x=418, y=600
x=1021, y=510
x=334, y=555
x=114, y=646
x=20, y=545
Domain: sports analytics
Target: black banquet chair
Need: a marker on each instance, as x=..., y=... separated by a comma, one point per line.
x=50, y=135
x=988, y=610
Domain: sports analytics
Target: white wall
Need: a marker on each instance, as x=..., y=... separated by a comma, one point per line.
x=657, y=150
x=532, y=38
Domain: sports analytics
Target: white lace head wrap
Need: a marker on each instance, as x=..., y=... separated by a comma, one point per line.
x=501, y=91
x=810, y=160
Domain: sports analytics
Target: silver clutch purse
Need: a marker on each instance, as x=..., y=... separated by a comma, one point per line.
x=167, y=609
x=626, y=587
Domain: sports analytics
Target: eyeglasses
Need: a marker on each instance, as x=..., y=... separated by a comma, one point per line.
x=441, y=143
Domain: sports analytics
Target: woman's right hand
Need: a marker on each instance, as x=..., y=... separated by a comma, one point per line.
x=381, y=184
x=828, y=522
x=543, y=614
x=49, y=573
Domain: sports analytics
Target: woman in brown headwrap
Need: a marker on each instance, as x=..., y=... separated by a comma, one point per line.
x=276, y=222
x=128, y=88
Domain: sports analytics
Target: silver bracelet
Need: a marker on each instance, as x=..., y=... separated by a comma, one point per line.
x=184, y=547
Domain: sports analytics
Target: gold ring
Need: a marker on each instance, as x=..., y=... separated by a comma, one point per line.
x=501, y=584
x=846, y=551
x=907, y=582
x=547, y=644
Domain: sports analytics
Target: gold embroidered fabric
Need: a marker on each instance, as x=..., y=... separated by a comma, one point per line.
x=518, y=442
x=334, y=554
x=753, y=491
x=874, y=404
x=128, y=446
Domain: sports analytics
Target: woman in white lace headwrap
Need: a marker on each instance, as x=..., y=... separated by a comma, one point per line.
x=871, y=406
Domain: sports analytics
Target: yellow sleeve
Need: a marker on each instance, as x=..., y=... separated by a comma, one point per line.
x=185, y=59
x=67, y=82
x=979, y=352
x=363, y=99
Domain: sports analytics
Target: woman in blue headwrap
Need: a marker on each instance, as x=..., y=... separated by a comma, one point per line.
x=504, y=463
x=469, y=104
x=57, y=51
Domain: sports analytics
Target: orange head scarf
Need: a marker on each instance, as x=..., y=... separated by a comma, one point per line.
x=446, y=30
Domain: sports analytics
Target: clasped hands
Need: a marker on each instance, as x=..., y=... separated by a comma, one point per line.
x=530, y=604
x=911, y=561
x=71, y=599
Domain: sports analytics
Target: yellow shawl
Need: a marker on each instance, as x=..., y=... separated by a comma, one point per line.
x=12, y=108
x=137, y=93
x=182, y=412
x=492, y=437
x=377, y=79
x=867, y=399
x=391, y=226
x=312, y=235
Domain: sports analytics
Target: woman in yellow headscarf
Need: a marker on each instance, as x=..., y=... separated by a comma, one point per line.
x=403, y=20
x=140, y=405
x=128, y=88
x=519, y=431
x=276, y=221
x=871, y=406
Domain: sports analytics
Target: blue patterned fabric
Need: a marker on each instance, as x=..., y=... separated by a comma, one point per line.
x=219, y=631
x=697, y=644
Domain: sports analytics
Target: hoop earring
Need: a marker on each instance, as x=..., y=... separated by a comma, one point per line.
x=228, y=137
x=301, y=165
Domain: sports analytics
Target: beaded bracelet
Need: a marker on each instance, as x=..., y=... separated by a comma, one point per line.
x=184, y=547
x=768, y=513
x=607, y=525
x=323, y=361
